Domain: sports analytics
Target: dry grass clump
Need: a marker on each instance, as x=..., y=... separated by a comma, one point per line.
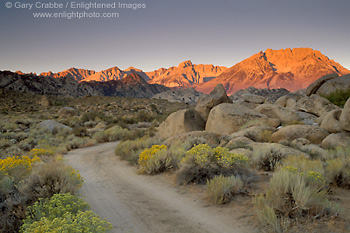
x=220, y=189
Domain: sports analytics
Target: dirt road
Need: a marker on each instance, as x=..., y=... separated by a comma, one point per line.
x=141, y=204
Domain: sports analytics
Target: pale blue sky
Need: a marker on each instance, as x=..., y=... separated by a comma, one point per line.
x=167, y=32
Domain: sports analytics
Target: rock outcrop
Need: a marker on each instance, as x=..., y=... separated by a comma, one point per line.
x=314, y=134
x=188, y=96
x=313, y=104
x=182, y=121
x=344, y=120
x=198, y=136
x=227, y=118
x=341, y=83
x=330, y=121
x=207, y=102
x=274, y=111
x=255, y=133
x=52, y=125
x=337, y=140
x=270, y=95
x=313, y=87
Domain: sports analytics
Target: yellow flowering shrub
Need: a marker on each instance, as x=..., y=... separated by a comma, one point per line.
x=154, y=160
x=17, y=167
x=63, y=213
x=205, y=156
x=203, y=162
x=230, y=160
x=40, y=152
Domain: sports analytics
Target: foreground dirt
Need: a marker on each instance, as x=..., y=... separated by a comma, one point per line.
x=137, y=203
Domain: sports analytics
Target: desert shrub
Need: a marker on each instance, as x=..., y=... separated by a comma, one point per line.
x=267, y=216
x=19, y=136
x=13, y=151
x=51, y=178
x=130, y=149
x=290, y=197
x=139, y=133
x=203, y=162
x=112, y=134
x=90, y=124
x=338, y=152
x=9, y=126
x=338, y=97
x=41, y=153
x=144, y=116
x=49, y=143
x=304, y=164
x=12, y=202
x=27, y=144
x=89, y=142
x=155, y=160
x=178, y=150
x=268, y=157
x=80, y=131
x=338, y=172
x=63, y=213
x=220, y=189
x=337, y=169
x=73, y=142
x=158, y=159
x=97, y=116
x=17, y=167
x=57, y=206
x=5, y=143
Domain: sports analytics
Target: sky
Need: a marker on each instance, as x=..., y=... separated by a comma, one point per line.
x=167, y=32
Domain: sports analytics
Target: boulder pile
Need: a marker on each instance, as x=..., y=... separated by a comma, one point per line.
x=306, y=122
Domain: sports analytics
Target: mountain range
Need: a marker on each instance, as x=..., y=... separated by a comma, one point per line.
x=292, y=69
x=131, y=86
x=186, y=74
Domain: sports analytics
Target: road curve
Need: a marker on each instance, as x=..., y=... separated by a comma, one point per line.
x=141, y=204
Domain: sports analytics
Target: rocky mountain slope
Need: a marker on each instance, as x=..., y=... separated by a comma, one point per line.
x=131, y=86
x=291, y=69
x=185, y=74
